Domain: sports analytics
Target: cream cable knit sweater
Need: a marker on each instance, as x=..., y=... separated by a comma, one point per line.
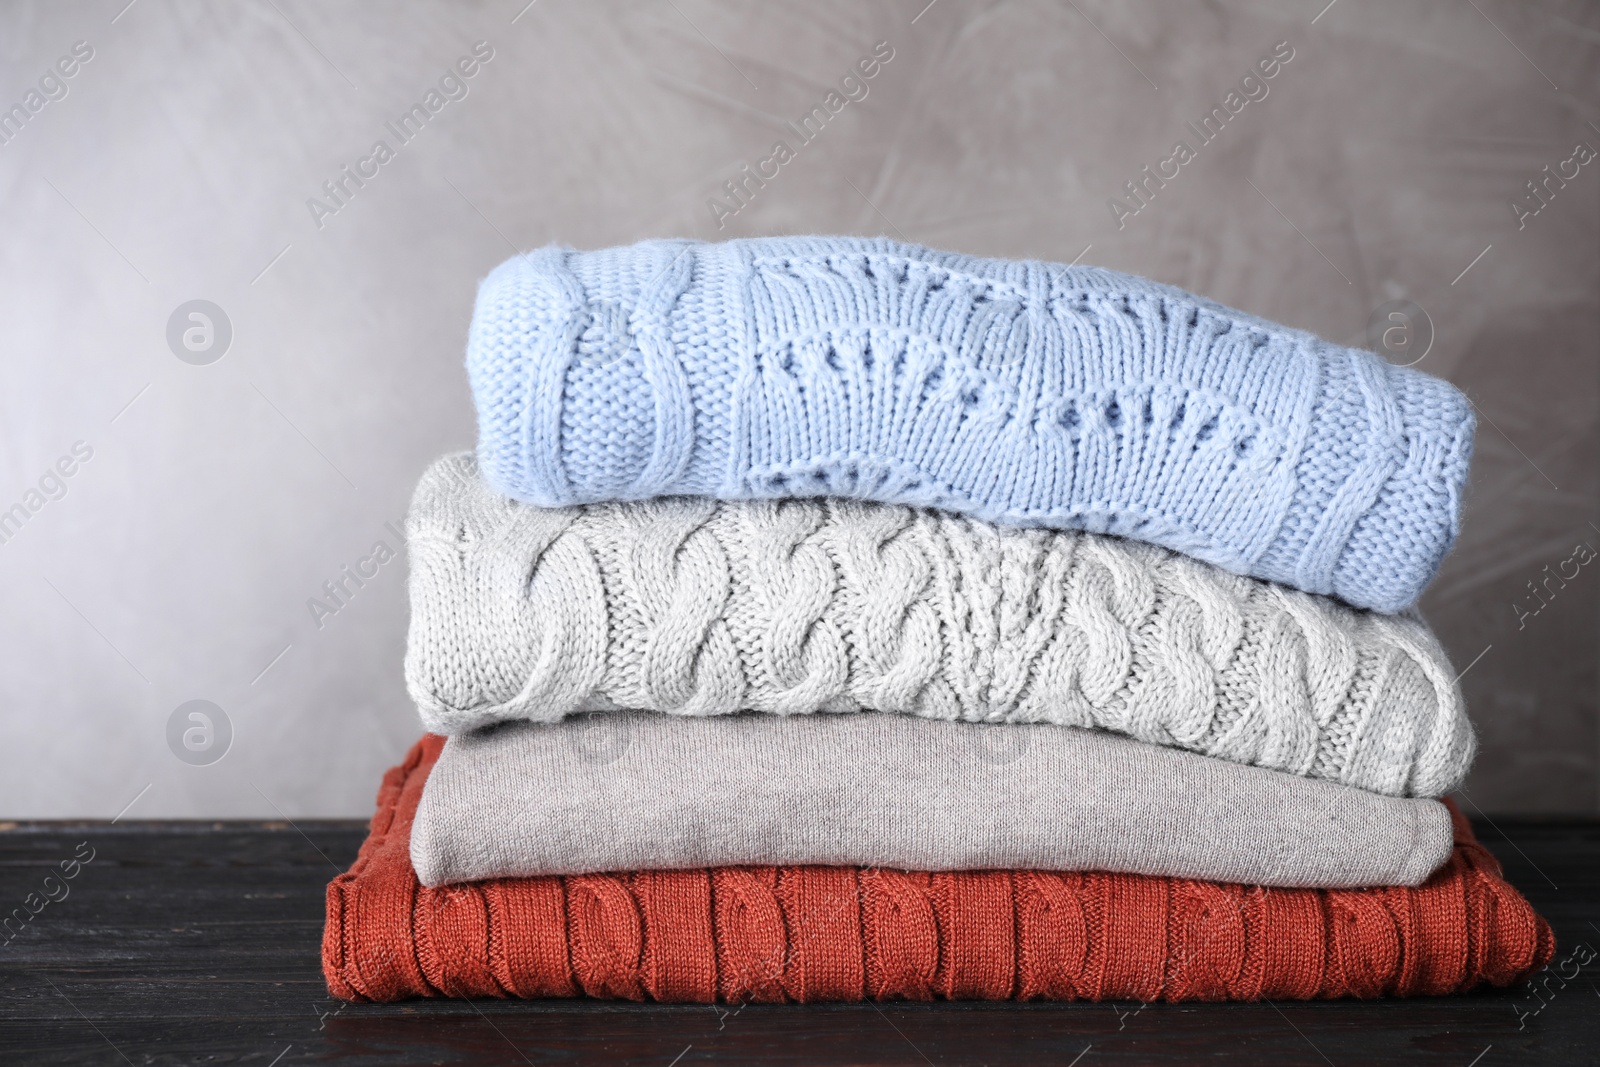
x=692, y=606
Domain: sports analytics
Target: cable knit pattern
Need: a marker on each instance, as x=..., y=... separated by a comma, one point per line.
x=1022, y=393
x=806, y=934
x=697, y=607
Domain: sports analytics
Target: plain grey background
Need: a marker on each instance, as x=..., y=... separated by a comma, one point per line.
x=219, y=498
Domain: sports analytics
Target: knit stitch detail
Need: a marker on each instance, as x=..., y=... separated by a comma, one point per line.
x=692, y=606
x=1023, y=393
x=807, y=934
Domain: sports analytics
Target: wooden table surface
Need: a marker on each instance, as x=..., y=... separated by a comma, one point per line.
x=197, y=943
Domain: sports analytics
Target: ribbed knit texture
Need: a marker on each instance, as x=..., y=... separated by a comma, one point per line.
x=738, y=934
x=1025, y=393
x=625, y=790
x=695, y=607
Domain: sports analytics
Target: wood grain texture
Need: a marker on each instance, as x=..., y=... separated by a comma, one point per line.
x=197, y=943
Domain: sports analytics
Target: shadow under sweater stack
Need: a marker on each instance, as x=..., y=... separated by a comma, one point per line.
x=830, y=618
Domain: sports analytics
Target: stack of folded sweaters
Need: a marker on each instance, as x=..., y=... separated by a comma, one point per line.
x=828, y=619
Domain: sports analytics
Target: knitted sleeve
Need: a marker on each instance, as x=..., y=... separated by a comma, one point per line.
x=1023, y=393
x=691, y=606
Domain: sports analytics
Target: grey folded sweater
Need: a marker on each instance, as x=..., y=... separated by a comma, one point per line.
x=692, y=606
x=631, y=790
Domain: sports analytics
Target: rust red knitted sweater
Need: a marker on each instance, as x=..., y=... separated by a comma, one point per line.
x=833, y=933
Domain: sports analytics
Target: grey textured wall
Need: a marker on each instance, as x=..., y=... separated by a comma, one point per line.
x=176, y=562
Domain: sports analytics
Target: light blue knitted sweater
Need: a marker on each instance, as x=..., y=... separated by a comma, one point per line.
x=1018, y=392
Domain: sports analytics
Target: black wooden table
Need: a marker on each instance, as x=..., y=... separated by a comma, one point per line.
x=197, y=943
